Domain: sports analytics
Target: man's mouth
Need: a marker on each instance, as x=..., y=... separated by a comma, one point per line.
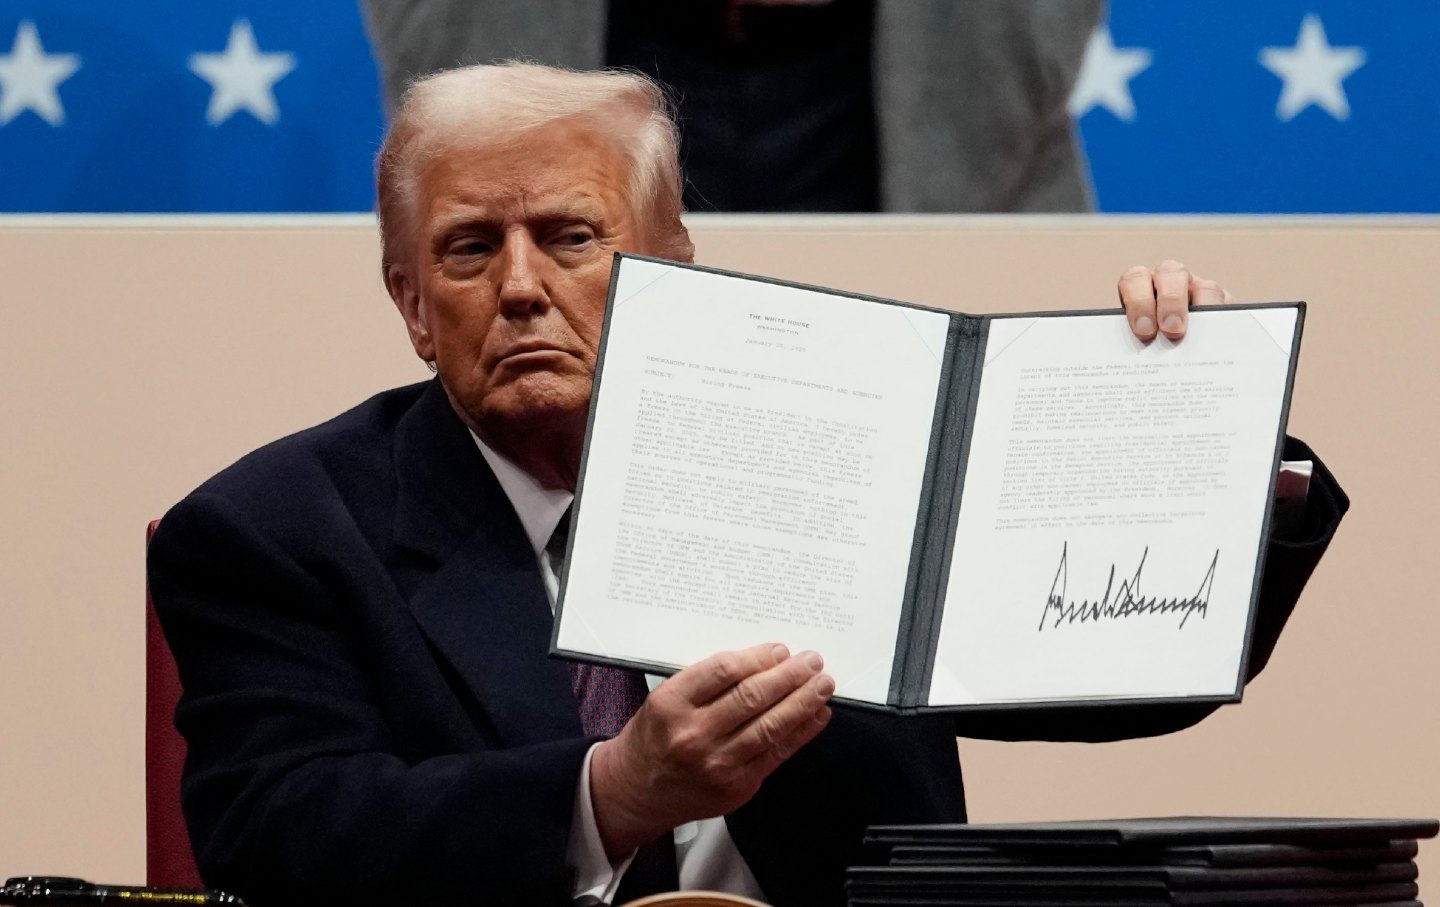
x=529, y=351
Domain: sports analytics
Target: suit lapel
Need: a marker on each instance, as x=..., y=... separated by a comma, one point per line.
x=482, y=604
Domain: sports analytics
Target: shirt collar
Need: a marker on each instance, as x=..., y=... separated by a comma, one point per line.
x=538, y=507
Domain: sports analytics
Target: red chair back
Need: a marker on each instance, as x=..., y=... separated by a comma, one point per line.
x=169, y=859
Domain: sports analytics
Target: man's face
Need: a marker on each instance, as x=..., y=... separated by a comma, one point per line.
x=505, y=290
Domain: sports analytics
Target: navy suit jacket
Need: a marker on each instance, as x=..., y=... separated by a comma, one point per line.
x=372, y=716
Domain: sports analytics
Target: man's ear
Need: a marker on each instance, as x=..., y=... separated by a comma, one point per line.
x=685, y=249
x=674, y=244
x=406, y=295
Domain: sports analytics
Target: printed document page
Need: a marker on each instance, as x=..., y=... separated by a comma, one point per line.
x=753, y=473
x=1113, y=502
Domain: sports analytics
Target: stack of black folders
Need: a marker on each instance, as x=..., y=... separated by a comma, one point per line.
x=1193, y=862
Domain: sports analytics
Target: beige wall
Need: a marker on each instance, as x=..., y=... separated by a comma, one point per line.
x=139, y=356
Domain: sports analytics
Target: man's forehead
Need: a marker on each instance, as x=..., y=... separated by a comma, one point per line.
x=559, y=145
x=534, y=171
x=513, y=197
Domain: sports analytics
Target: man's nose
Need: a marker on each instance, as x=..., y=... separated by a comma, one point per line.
x=522, y=288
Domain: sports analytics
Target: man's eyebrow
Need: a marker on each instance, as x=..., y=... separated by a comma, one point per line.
x=545, y=216
x=470, y=219
x=440, y=231
x=580, y=210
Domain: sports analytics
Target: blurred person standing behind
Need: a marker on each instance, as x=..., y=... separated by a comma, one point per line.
x=809, y=105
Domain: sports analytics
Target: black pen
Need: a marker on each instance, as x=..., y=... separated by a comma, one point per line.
x=57, y=891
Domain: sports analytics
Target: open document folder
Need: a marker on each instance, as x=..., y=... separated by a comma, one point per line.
x=956, y=511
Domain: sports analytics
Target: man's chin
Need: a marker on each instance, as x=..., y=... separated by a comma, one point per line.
x=540, y=429
x=533, y=407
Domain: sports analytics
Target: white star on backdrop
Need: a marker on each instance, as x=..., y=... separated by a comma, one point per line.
x=1313, y=71
x=1105, y=76
x=242, y=78
x=29, y=78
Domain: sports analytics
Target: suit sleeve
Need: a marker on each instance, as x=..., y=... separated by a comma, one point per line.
x=296, y=788
x=1288, y=565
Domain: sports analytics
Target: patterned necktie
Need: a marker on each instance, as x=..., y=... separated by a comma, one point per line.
x=607, y=698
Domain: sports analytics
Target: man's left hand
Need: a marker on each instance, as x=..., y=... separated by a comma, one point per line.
x=1158, y=300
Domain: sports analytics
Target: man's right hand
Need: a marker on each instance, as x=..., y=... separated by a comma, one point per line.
x=704, y=740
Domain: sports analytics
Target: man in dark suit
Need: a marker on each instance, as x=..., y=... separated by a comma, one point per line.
x=361, y=616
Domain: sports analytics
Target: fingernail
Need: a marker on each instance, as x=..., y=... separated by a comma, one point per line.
x=780, y=652
x=825, y=686
x=1144, y=325
x=1173, y=323
x=814, y=660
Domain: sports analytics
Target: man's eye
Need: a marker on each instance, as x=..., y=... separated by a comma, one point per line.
x=576, y=237
x=468, y=248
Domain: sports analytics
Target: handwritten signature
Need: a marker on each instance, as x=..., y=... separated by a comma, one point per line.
x=1127, y=601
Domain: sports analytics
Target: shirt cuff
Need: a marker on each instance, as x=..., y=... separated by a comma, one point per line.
x=596, y=878
x=1292, y=491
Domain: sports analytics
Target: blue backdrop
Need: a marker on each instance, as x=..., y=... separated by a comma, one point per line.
x=274, y=105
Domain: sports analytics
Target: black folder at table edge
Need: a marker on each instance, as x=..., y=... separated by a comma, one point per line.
x=1402, y=896
x=1220, y=856
x=1160, y=832
x=969, y=901
x=1298, y=876
x=972, y=902
x=883, y=884
x=1172, y=877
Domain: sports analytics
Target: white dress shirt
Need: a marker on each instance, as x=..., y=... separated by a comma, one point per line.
x=705, y=854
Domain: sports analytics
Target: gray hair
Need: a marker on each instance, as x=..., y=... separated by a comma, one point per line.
x=491, y=104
